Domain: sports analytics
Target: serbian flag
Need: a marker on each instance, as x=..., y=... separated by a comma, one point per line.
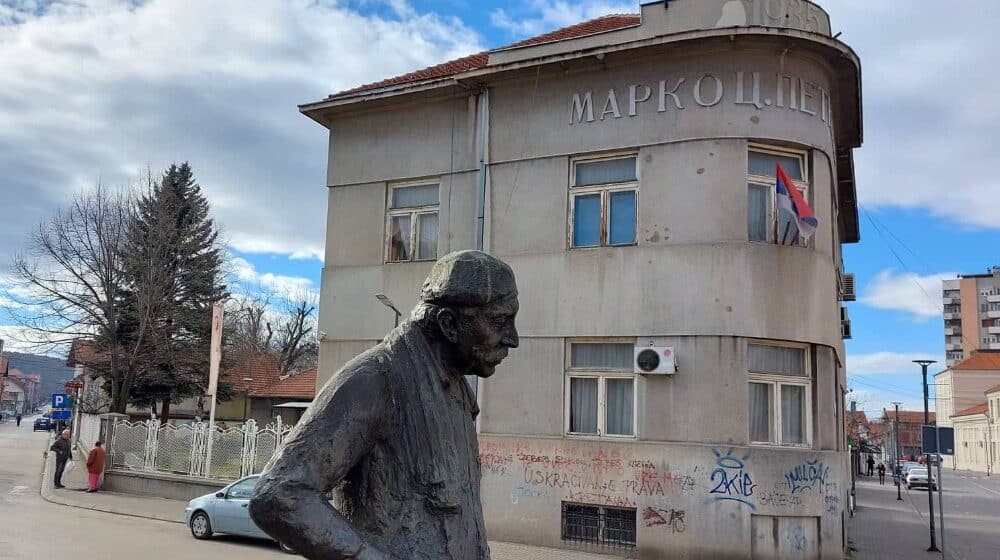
x=795, y=217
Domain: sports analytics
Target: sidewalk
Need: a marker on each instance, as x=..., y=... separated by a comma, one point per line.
x=885, y=528
x=75, y=495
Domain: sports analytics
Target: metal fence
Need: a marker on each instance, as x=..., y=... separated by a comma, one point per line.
x=154, y=447
x=599, y=526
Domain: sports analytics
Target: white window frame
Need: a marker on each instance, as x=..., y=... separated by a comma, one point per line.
x=776, y=381
x=414, y=212
x=602, y=376
x=605, y=191
x=769, y=182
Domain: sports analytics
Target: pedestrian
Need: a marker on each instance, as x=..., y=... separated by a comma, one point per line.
x=18, y=418
x=881, y=473
x=63, y=454
x=871, y=465
x=95, y=466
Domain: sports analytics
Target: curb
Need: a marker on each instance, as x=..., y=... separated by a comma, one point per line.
x=49, y=496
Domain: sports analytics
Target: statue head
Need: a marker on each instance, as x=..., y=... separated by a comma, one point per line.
x=469, y=303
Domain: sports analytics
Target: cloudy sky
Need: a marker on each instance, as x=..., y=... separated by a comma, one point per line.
x=99, y=90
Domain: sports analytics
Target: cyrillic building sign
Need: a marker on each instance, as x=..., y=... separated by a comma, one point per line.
x=677, y=93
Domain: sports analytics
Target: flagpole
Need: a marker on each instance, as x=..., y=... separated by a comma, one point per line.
x=215, y=356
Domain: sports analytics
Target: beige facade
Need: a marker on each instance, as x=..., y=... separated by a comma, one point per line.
x=971, y=314
x=740, y=453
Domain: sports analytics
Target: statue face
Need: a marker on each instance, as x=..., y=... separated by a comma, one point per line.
x=484, y=335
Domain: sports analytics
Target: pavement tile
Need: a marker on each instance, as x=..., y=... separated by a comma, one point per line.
x=884, y=528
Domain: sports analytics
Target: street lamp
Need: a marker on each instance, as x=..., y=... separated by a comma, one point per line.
x=930, y=478
x=895, y=462
x=246, y=396
x=384, y=300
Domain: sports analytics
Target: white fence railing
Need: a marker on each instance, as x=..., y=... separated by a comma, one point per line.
x=154, y=447
x=89, y=431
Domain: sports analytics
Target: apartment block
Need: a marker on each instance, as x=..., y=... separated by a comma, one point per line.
x=971, y=314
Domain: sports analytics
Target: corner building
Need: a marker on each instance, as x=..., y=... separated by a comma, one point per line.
x=624, y=168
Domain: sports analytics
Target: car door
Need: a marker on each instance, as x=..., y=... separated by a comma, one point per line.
x=232, y=514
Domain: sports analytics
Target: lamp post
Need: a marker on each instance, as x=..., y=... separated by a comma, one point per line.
x=246, y=396
x=895, y=461
x=930, y=476
x=384, y=300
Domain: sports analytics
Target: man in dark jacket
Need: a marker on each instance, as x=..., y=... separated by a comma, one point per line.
x=63, y=453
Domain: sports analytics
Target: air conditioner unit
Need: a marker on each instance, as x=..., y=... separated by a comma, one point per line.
x=654, y=360
x=847, y=287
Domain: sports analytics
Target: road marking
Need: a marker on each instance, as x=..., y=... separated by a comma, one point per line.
x=972, y=481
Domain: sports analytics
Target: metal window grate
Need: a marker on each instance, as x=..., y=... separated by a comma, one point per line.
x=600, y=526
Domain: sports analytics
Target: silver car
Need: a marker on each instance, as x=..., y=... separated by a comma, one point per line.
x=918, y=477
x=226, y=511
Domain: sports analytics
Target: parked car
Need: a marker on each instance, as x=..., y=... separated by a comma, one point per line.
x=42, y=423
x=918, y=477
x=226, y=511
x=908, y=466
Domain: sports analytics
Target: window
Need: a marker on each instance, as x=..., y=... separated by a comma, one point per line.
x=779, y=394
x=605, y=526
x=412, y=222
x=242, y=490
x=603, y=202
x=763, y=222
x=601, y=389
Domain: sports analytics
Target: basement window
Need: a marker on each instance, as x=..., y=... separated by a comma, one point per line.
x=596, y=525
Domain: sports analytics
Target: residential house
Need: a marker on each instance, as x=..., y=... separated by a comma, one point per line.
x=909, y=429
x=287, y=397
x=961, y=386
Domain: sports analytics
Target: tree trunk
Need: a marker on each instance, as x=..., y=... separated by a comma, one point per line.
x=165, y=411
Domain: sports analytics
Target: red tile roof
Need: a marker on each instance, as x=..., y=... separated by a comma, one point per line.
x=992, y=389
x=481, y=59
x=909, y=416
x=299, y=386
x=980, y=408
x=262, y=371
x=82, y=352
x=980, y=360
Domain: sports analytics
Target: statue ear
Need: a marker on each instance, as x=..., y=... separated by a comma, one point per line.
x=448, y=323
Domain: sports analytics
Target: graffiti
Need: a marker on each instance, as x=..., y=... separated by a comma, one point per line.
x=796, y=538
x=807, y=476
x=495, y=463
x=671, y=518
x=600, y=497
x=779, y=499
x=524, y=492
x=832, y=497
x=732, y=481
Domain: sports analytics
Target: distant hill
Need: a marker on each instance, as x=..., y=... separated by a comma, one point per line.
x=53, y=371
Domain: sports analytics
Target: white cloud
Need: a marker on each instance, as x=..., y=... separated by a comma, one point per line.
x=99, y=89
x=285, y=286
x=929, y=107
x=907, y=292
x=541, y=16
x=888, y=362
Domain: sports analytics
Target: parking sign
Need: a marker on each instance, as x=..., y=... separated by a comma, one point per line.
x=60, y=400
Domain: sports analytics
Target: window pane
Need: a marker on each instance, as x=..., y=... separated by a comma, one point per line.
x=622, y=218
x=776, y=359
x=760, y=412
x=619, y=413
x=581, y=522
x=242, y=490
x=601, y=356
x=760, y=163
x=583, y=405
x=758, y=204
x=399, y=239
x=417, y=195
x=587, y=220
x=793, y=414
x=619, y=525
x=605, y=171
x=428, y=235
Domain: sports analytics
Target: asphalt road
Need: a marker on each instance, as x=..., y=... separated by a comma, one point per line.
x=33, y=529
x=971, y=514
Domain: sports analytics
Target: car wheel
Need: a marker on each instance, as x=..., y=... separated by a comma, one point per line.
x=286, y=549
x=201, y=527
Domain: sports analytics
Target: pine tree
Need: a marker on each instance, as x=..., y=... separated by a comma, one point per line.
x=172, y=246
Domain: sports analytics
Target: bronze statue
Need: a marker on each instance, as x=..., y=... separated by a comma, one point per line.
x=393, y=433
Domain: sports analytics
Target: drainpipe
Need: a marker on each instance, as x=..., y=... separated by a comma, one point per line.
x=482, y=157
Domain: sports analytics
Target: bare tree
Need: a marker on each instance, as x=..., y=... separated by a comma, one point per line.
x=284, y=327
x=70, y=284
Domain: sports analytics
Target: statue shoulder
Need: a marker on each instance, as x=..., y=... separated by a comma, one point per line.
x=371, y=368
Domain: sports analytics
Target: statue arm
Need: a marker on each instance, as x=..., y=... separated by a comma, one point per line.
x=336, y=433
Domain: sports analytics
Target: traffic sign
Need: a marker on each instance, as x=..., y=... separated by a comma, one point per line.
x=944, y=434
x=60, y=400
x=62, y=414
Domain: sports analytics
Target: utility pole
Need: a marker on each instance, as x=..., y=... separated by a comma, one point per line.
x=895, y=461
x=930, y=471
